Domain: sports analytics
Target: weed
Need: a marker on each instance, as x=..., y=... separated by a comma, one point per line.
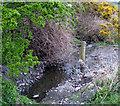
x=11, y=96
x=107, y=93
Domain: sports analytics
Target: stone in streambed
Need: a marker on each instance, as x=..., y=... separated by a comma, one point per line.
x=35, y=96
x=38, y=77
x=21, y=84
x=77, y=88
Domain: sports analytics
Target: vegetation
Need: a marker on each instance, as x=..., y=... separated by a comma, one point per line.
x=17, y=34
x=10, y=94
x=13, y=45
x=20, y=20
x=105, y=92
x=109, y=12
x=17, y=19
x=101, y=44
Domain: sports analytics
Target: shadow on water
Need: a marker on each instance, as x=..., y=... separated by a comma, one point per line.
x=51, y=78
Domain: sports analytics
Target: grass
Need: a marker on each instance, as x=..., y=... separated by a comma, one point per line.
x=76, y=97
x=101, y=44
x=108, y=92
x=107, y=44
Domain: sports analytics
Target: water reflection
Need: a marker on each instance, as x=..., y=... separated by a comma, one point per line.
x=50, y=79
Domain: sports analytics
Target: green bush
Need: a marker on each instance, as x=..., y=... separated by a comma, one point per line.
x=10, y=94
x=16, y=34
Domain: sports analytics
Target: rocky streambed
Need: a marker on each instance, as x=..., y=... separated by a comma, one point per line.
x=101, y=64
x=58, y=85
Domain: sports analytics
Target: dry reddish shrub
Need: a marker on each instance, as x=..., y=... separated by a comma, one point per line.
x=96, y=14
x=51, y=43
x=88, y=27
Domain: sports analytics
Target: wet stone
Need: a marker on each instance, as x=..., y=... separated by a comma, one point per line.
x=35, y=96
x=21, y=84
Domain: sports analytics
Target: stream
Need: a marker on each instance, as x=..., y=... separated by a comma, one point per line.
x=49, y=80
x=56, y=86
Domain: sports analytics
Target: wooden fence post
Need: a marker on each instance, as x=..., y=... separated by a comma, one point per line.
x=83, y=49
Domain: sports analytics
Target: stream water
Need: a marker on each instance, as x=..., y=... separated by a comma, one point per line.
x=50, y=79
x=100, y=61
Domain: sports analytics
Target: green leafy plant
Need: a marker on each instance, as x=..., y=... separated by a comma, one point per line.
x=17, y=19
x=13, y=45
x=77, y=40
x=11, y=96
x=16, y=34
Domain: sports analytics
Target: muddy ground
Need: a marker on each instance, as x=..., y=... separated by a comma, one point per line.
x=59, y=85
x=101, y=63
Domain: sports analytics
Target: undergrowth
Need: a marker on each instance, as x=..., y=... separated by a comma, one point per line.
x=103, y=92
x=17, y=20
x=10, y=94
x=107, y=91
x=106, y=94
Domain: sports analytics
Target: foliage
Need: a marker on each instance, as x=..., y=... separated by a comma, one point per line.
x=16, y=34
x=103, y=92
x=105, y=10
x=11, y=96
x=77, y=40
x=17, y=18
x=13, y=45
x=106, y=93
x=76, y=97
x=109, y=12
